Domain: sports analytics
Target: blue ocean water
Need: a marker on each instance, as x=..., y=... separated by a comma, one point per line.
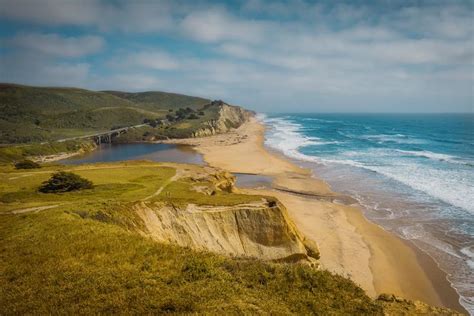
x=412, y=173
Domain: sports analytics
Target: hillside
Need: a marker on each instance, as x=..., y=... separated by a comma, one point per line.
x=98, y=251
x=160, y=100
x=38, y=114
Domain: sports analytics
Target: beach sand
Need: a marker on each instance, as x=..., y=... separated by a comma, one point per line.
x=350, y=245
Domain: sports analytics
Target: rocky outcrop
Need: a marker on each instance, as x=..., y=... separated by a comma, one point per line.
x=247, y=230
x=228, y=117
x=259, y=229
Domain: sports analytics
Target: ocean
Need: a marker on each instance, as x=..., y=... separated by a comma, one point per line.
x=412, y=173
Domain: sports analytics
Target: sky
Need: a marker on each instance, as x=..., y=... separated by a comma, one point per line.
x=270, y=56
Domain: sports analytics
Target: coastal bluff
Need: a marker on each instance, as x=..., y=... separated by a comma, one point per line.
x=228, y=117
x=259, y=229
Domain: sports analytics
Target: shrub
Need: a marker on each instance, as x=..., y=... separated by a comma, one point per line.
x=64, y=182
x=27, y=164
x=192, y=116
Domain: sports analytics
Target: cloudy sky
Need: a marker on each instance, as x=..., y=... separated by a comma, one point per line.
x=288, y=56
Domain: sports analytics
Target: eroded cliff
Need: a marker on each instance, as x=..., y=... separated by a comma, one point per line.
x=228, y=117
x=259, y=228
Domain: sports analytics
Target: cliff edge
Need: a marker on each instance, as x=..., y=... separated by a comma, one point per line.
x=259, y=229
x=227, y=118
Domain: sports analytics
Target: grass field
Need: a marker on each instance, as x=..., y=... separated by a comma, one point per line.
x=85, y=256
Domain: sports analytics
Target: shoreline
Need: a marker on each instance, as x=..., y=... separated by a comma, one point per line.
x=350, y=245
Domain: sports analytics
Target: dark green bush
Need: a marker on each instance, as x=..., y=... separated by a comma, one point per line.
x=27, y=164
x=64, y=182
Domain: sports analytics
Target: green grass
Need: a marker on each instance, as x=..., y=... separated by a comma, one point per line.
x=60, y=262
x=115, y=184
x=153, y=100
x=36, y=114
x=180, y=192
x=20, y=152
x=87, y=255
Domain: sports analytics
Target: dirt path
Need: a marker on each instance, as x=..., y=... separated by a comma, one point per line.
x=177, y=175
x=33, y=209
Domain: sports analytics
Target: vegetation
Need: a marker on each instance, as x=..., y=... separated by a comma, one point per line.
x=20, y=152
x=34, y=114
x=60, y=262
x=160, y=100
x=38, y=121
x=85, y=254
x=27, y=164
x=63, y=181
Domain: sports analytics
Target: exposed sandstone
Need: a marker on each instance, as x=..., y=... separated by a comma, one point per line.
x=248, y=230
x=228, y=117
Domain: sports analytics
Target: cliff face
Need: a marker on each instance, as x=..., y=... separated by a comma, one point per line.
x=259, y=229
x=228, y=117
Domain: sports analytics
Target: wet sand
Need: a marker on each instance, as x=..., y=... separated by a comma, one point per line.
x=350, y=245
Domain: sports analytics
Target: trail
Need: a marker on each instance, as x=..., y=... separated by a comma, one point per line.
x=167, y=182
x=33, y=209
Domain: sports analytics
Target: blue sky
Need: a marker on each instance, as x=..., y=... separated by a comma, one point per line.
x=272, y=56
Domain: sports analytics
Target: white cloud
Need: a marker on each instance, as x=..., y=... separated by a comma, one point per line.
x=275, y=54
x=130, y=82
x=56, y=45
x=30, y=68
x=52, y=12
x=217, y=25
x=147, y=60
x=133, y=16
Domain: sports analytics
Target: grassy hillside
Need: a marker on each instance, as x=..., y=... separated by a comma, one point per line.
x=84, y=254
x=160, y=100
x=19, y=152
x=36, y=114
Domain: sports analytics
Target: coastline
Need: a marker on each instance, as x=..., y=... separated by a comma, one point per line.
x=350, y=245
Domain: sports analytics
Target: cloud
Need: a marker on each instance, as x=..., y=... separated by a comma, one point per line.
x=52, y=12
x=130, y=82
x=149, y=59
x=274, y=55
x=56, y=45
x=130, y=16
x=30, y=68
x=217, y=25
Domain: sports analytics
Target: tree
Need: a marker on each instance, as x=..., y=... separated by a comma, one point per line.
x=27, y=164
x=63, y=181
x=192, y=116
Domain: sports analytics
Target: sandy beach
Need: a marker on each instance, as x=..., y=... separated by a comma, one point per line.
x=350, y=245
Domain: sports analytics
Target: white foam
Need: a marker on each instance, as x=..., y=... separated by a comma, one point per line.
x=449, y=185
x=395, y=138
x=468, y=251
x=432, y=155
x=285, y=137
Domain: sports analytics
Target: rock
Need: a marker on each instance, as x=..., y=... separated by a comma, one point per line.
x=228, y=117
x=250, y=230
